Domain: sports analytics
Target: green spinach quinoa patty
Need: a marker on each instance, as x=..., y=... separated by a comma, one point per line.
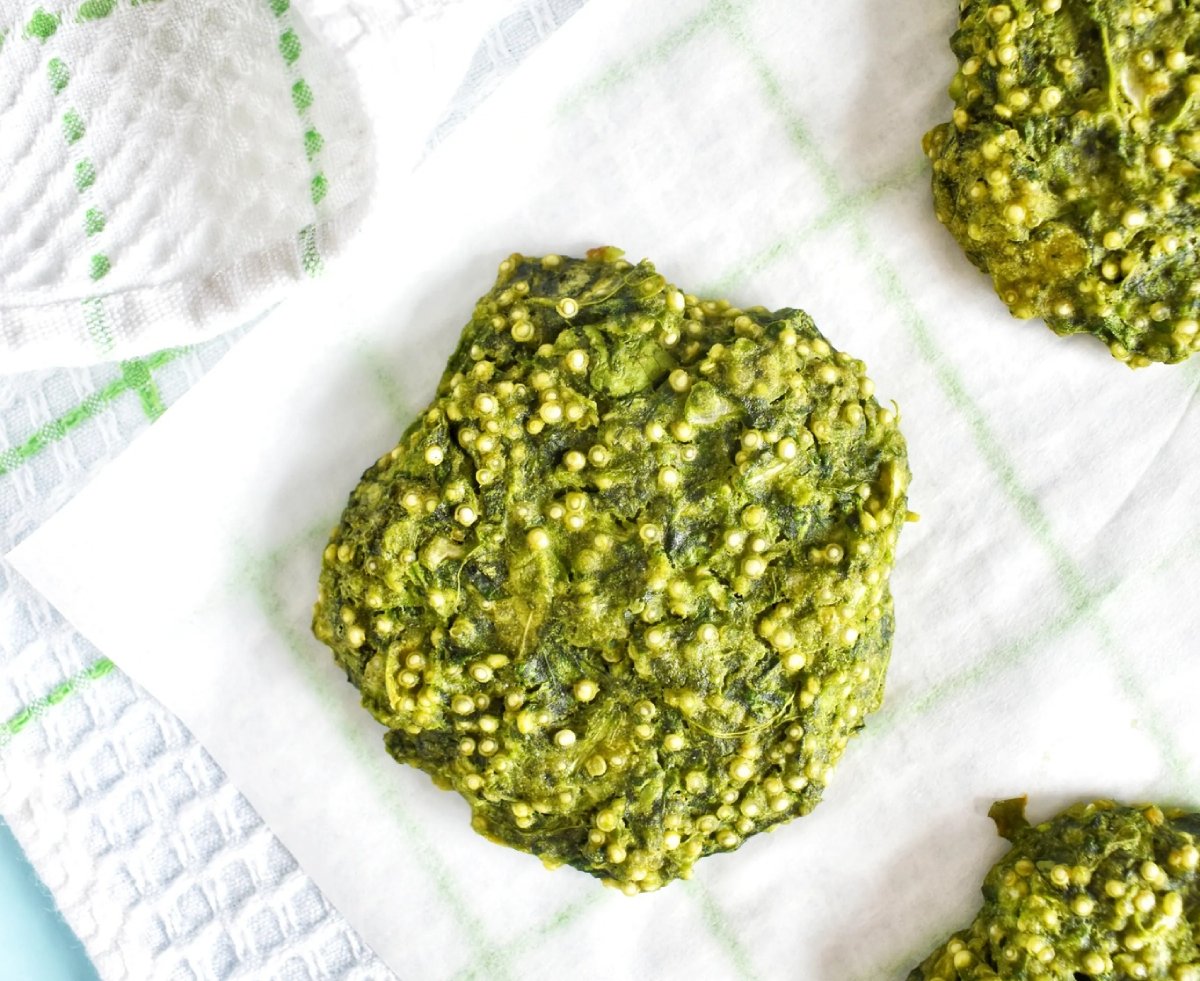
x=1100, y=893
x=1069, y=170
x=623, y=585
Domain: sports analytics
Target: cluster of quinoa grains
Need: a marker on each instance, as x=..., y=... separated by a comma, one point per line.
x=623, y=585
x=1103, y=892
x=1069, y=170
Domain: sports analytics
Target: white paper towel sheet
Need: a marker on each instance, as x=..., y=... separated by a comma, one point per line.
x=767, y=150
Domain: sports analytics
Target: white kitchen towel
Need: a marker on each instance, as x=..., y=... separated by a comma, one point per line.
x=170, y=169
x=768, y=151
x=160, y=866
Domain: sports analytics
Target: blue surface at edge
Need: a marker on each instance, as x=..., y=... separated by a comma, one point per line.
x=35, y=942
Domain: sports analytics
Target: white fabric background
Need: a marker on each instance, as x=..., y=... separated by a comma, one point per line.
x=200, y=186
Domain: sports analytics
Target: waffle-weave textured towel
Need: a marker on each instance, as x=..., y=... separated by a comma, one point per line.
x=167, y=168
x=155, y=858
x=171, y=168
x=767, y=151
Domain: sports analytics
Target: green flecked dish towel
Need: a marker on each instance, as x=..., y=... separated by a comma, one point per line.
x=767, y=151
x=171, y=169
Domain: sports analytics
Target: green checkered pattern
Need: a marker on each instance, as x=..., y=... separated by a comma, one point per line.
x=844, y=212
x=136, y=379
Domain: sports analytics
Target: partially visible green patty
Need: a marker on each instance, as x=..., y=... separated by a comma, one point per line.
x=624, y=583
x=1069, y=170
x=1103, y=892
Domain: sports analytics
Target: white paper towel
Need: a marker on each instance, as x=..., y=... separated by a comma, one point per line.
x=770, y=150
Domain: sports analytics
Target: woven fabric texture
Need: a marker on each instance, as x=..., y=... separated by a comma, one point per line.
x=168, y=169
